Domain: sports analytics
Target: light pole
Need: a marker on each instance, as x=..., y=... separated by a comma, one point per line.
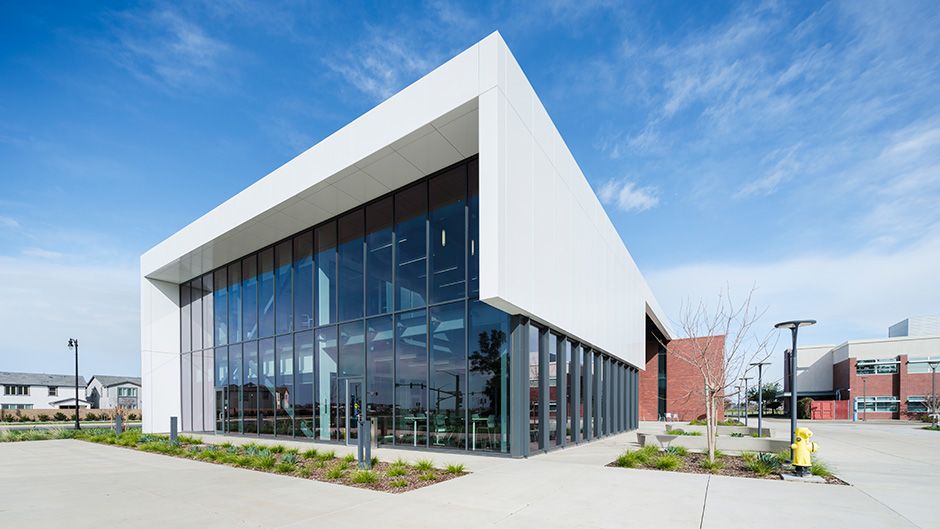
x=760, y=396
x=933, y=389
x=864, y=399
x=73, y=344
x=794, y=327
x=746, y=401
x=737, y=389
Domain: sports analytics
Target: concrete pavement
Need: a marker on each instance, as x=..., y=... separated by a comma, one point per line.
x=46, y=482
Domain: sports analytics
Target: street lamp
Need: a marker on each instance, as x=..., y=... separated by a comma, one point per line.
x=760, y=396
x=794, y=327
x=737, y=389
x=933, y=363
x=746, y=401
x=73, y=344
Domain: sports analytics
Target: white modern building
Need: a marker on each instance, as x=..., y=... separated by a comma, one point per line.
x=40, y=391
x=108, y=392
x=440, y=266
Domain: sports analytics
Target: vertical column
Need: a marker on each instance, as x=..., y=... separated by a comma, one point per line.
x=544, y=398
x=575, y=393
x=588, y=394
x=598, y=395
x=608, y=397
x=519, y=388
x=623, y=397
x=561, y=400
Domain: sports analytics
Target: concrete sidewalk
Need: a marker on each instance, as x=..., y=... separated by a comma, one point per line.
x=47, y=482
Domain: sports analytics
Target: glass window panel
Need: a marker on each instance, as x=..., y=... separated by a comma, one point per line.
x=221, y=367
x=473, y=246
x=326, y=273
x=304, y=385
x=379, y=287
x=303, y=281
x=220, y=306
x=209, y=422
x=250, y=393
x=552, y=390
x=284, y=313
x=266, y=292
x=411, y=365
x=235, y=396
x=448, y=365
x=489, y=378
x=351, y=260
x=326, y=383
x=267, y=388
x=566, y=358
x=235, y=302
x=410, y=246
x=195, y=288
x=535, y=431
x=351, y=350
x=448, y=195
x=380, y=382
x=186, y=381
x=285, y=384
x=197, y=392
x=186, y=337
x=250, y=297
x=208, y=328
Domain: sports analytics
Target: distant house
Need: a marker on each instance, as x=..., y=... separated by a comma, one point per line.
x=27, y=391
x=107, y=392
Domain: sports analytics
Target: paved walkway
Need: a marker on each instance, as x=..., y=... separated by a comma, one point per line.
x=46, y=483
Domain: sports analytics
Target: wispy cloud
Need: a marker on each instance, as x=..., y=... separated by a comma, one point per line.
x=8, y=222
x=41, y=253
x=785, y=166
x=166, y=48
x=625, y=195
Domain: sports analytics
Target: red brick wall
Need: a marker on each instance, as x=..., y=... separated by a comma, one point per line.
x=900, y=385
x=684, y=394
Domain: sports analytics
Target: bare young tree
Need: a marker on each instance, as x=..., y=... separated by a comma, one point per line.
x=932, y=403
x=723, y=342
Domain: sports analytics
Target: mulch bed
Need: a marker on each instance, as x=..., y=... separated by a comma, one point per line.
x=734, y=466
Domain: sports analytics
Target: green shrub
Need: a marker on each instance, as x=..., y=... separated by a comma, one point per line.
x=349, y=458
x=278, y=449
x=374, y=461
x=712, y=466
x=304, y=472
x=454, y=469
x=679, y=451
x=284, y=468
x=364, y=476
x=761, y=464
x=289, y=457
x=326, y=456
x=265, y=462
x=336, y=472
x=783, y=456
x=667, y=462
x=737, y=434
x=820, y=469
x=399, y=483
x=692, y=433
x=395, y=471
x=424, y=465
x=91, y=417
x=428, y=476
x=132, y=416
x=400, y=462
x=189, y=440
x=311, y=454
x=43, y=417
x=59, y=416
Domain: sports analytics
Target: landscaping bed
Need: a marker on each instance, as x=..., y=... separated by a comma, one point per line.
x=320, y=465
x=748, y=465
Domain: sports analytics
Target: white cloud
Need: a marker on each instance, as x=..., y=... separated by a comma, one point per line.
x=383, y=64
x=8, y=222
x=41, y=253
x=783, y=169
x=625, y=195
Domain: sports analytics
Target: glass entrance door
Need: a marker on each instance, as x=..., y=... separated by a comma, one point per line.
x=221, y=403
x=351, y=394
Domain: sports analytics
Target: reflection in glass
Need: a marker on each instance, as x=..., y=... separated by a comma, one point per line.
x=284, y=311
x=326, y=382
x=220, y=307
x=250, y=393
x=569, y=360
x=235, y=302
x=326, y=273
x=195, y=288
x=267, y=399
x=351, y=259
x=489, y=378
x=208, y=391
x=221, y=385
x=198, y=392
x=552, y=390
x=250, y=297
x=380, y=357
x=351, y=371
x=535, y=428
x=473, y=228
x=448, y=194
x=411, y=364
x=235, y=397
x=207, y=327
x=266, y=292
x=379, y=286
x=410, y=252
x=186, y=381
x=303, y=393
x=285, y=385
x=186, y=337
x=448, y=376
x=303, y=281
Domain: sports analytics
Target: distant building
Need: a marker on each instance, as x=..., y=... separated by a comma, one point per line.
x=670, y=387
x=883, y=378
x=27, y=391
x=108, y=392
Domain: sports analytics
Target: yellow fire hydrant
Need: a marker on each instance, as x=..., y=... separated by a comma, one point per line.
x=802, y=450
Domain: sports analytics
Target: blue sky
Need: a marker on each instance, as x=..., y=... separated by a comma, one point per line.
x=791, y=146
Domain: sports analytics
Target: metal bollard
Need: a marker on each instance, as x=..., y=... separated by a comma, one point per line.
x=364, y=444
x=118, y=423
x=172, y=429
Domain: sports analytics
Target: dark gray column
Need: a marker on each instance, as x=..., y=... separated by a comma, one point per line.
x=588, y=379
x=608, y=397
x=623, y=397
x=618, y=397
x=519, y=389
x=598, y=395
x=576, y=393
x=544, y=398
x=635, y=394
x=561, y=397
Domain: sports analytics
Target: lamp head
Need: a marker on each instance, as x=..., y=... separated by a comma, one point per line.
x=795, y=324
x=933, y=363
x=72, y=343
